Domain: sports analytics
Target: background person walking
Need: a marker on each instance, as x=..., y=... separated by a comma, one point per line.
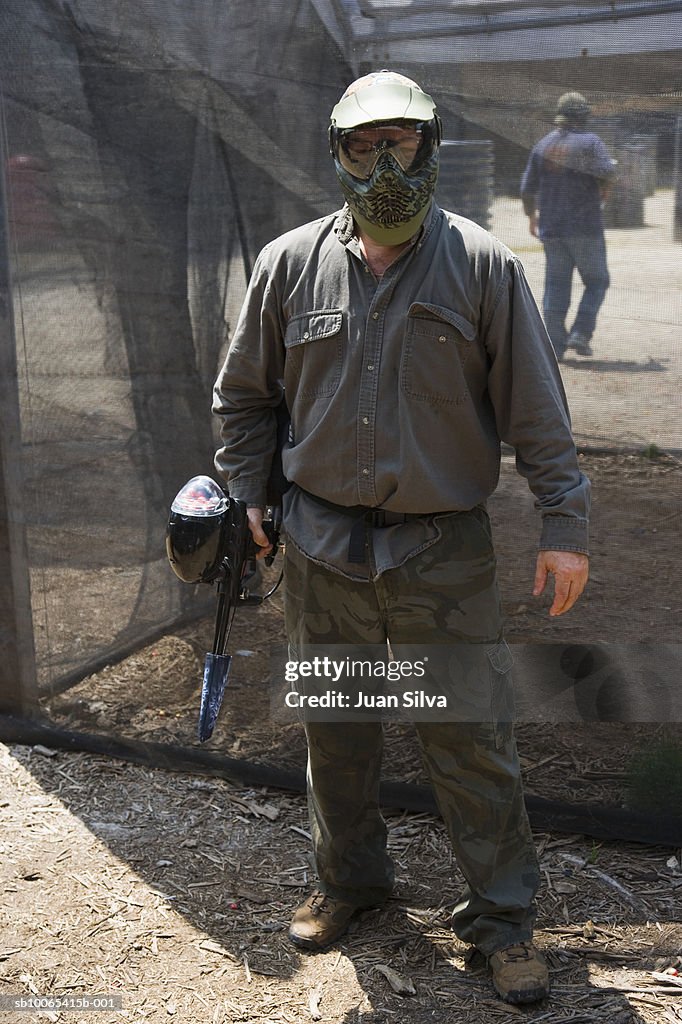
x=564, y=185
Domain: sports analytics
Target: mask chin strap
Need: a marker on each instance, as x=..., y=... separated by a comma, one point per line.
x=439, y=129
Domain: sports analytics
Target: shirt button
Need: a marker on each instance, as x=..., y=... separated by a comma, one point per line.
x=370, y=366
x=375, y=316
x=365, y=472
x=442, y=338
x=306, y=334
x=365, y=420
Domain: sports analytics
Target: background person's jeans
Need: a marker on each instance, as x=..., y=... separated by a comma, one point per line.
x=588, y=255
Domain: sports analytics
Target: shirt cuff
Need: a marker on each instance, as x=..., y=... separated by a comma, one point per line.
x=253, y=492
x=564, y=533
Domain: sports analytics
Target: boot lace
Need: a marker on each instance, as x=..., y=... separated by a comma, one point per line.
x=320, y=903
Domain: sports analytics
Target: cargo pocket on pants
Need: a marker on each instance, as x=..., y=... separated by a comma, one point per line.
x=501, y=692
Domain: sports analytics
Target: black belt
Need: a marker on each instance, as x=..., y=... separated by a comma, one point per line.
x=364, y=515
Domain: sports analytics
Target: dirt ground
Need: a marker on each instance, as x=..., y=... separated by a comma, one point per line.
x=174, y=890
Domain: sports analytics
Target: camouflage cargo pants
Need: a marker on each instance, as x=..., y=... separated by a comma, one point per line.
x=446, y=595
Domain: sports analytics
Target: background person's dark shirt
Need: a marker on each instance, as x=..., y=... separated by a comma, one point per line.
x=564, y=175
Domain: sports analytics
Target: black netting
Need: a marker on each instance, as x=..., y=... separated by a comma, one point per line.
x=149, y=160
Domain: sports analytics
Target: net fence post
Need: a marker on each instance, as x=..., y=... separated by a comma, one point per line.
x=18, y=686
x=677, y=214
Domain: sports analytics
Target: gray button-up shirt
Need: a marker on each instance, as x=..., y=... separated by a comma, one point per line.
x=400, y=390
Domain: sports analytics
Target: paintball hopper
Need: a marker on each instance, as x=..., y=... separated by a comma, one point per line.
x=195, y=538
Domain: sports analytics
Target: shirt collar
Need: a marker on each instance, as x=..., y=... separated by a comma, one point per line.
x=344, y=226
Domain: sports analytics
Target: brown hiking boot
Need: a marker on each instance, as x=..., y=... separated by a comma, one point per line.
x=320, y=921
x=520, y=973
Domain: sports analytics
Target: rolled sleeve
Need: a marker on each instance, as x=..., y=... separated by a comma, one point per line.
x=604, y=167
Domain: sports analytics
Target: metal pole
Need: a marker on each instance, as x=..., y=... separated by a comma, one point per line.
x=486, y=26
x=18, y=688
x=677, y=209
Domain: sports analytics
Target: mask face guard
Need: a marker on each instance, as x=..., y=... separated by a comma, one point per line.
x=390, y=206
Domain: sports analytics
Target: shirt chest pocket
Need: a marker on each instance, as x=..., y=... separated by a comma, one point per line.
x=314, y=353
x=438, y=341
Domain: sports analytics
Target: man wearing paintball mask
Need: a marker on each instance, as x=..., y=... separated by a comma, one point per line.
x=409, y=346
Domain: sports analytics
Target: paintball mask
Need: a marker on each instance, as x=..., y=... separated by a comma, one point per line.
x=384, y=137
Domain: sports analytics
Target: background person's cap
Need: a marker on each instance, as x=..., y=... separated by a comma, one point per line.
x=572, y=106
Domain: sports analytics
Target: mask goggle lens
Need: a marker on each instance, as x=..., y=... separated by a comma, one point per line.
x=359, y=149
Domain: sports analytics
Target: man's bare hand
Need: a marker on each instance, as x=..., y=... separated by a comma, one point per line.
x=533, y=224
x=570, y=570
x=255, y=518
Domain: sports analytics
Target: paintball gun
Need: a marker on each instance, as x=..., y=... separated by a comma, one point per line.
x=208, y=540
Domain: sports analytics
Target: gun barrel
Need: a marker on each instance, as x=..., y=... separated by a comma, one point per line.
x=216, y=671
